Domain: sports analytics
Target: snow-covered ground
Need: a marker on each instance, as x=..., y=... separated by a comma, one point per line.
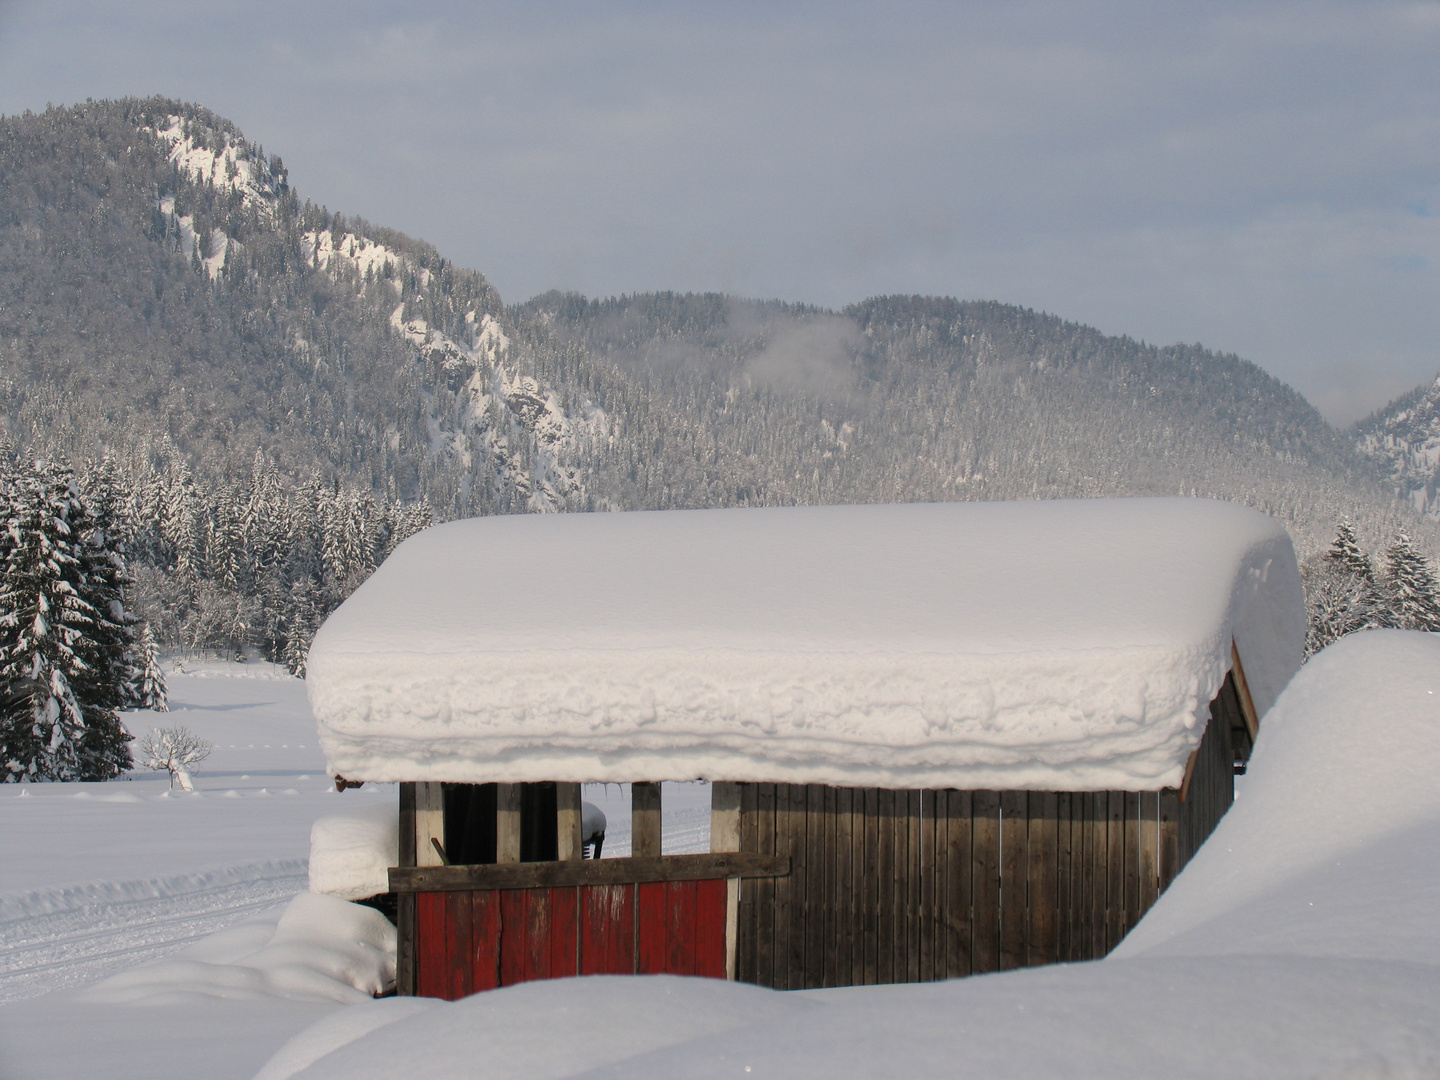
x=1301, y=941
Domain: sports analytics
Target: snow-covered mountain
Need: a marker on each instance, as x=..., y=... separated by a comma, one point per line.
x=1404, y=438
x=163, y=287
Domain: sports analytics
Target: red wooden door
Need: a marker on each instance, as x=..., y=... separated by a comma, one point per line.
x=471, y=941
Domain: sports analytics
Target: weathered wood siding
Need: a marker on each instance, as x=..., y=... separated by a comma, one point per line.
x=470, y=941
x=911, y=886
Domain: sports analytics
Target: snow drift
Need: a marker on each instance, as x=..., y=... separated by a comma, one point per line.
x=1300, y=942
x=351, y=853
x=317, y=948
x=1070, y=645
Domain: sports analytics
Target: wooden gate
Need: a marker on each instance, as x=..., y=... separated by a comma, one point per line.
x=481, y=927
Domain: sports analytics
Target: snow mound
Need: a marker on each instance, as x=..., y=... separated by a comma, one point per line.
x=1334, y=845
x=318, y=949
x=1071, y=645
x=351, y=853
x=541, y=1030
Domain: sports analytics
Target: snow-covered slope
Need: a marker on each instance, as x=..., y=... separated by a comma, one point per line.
x=1050, y=645
x=1404, y=438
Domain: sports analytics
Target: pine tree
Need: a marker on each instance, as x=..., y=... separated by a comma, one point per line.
x=1414, y=592
x=108, y=682
x=152, y=693
x=44, y=624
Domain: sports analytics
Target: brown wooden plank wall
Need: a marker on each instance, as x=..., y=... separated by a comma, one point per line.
x=912, y=886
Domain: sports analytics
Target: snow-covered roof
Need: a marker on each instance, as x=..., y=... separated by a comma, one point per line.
x=1048, y=645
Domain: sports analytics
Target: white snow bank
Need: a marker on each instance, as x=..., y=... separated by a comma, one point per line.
x=1334, y=845
x=1301, y=941
x=340, y=1029
x=318, y=949
x=1071, y=645
x=351, y=853
x=592, y=821
x=541, y=1030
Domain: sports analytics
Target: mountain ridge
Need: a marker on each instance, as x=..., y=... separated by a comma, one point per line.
x=162, y=284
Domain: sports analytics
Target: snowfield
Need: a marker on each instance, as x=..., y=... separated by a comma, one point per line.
x=1300, y=942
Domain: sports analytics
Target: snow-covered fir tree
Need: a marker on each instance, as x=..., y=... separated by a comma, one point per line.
x=1414, y=592
x=51, y=635
x=152, y=691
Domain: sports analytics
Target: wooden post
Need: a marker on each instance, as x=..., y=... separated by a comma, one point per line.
x=429, y=823
x=507, y=823
x=405, y=902
x=567, y=822
x=645, y=820
x=1242, y=691
x=725, y=836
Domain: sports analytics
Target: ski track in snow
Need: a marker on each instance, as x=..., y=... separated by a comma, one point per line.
x=57, y=939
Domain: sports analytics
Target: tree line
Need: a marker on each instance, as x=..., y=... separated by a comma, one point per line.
x=102, y=566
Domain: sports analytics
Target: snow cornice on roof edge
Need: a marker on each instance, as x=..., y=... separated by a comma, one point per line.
x=1072, y=645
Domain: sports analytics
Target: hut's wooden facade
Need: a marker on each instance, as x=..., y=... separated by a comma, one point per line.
x=807, y=885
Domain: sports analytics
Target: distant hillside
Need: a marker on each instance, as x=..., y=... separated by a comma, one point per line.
x=163, y=290
x=1404, y=440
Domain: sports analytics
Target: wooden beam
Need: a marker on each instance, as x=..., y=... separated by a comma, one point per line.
x=538, y=875
x=429, y=822
x=725, y=836
x=507, y=823
x=567, y=822
x=645, y=821
x=1242, y=689
x=1189, y=773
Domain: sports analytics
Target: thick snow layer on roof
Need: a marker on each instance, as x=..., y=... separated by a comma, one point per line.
x=1051, y=645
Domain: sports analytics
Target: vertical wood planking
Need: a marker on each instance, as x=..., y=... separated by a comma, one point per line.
x=485, y=940
x=912, y=879
x=1132, y=861
x=711, y=898
x=607, y=929
x=926, y=866
x=1043, y=867
x=817, y=894
x=1064, y=880
x=766, y=889
x=1149, y=849
x=429, y=822
x=459, y=945
x=507, y=823
x=785, y=887
x=1115, y=875
x=845, y=912
x=830, y=898
x=796, y=928
x=746, y=944
x=432, y=971
x=1099, y=838
x=1169, y=836
x=645, y=820
x=885, y=917
x=405, y=906
x=564, y=959
x=1013, y=839
x=985, y=880
x=567, y=822
x=652, y=928
x=725, y=836
x=868, y=865
x=960, y=926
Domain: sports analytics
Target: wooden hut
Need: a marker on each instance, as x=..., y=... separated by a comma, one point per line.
x=943, y=739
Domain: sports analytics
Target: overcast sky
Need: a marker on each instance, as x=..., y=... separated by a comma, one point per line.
x=1264, y=179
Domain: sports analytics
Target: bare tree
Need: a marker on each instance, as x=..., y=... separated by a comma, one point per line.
x=174, y=749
